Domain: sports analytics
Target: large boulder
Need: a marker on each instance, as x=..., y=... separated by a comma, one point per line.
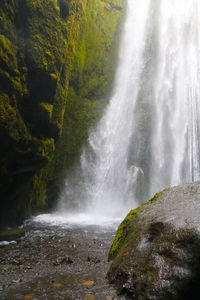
x=156, y=251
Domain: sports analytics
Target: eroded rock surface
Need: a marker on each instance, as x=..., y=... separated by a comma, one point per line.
x=156, y=251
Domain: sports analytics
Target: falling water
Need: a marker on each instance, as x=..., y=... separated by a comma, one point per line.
x=148, y=137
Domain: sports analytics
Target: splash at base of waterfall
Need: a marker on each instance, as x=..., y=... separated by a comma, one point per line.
x=70, y=220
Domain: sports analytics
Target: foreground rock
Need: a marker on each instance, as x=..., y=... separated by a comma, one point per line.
x=156, y=251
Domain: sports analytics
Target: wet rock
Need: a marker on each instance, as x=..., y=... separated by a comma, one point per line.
x=24, y=244
x=63, y=260
x=21, y=267
x=155, y=252
x=17, y=281
x=15, y=262
x=94, y=260
x=28, y=267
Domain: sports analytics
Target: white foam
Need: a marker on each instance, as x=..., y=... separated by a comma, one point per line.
x=81, y=219
x=6, y=243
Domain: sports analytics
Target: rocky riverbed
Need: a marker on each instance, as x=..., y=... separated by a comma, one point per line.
x=51, y=262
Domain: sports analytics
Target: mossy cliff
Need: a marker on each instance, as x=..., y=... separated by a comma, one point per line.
x=55, y=73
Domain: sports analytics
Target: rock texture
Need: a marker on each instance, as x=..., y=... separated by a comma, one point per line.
x=155, y=252
x=55, y=68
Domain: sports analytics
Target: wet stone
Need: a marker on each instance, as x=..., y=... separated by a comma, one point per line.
x=94, y=260
x=63, y=260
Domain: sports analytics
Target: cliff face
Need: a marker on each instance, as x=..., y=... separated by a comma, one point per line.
x=55, y=72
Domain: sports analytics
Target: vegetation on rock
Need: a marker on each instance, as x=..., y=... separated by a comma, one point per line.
x=11, y=234
x=124, y=230
x=55, y=70
x=155, y=252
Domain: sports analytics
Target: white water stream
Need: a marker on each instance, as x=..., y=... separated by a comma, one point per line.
x=148, y=137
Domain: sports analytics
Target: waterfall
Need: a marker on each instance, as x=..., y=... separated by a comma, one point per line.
x=148, y=136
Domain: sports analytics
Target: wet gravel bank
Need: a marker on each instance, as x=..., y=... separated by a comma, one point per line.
x=57, y=263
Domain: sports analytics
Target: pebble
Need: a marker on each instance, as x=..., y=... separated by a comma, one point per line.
x=17, y=281
x=94, y=260
x=63, y=260
x=15, y=262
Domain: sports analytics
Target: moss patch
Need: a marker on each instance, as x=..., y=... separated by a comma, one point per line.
x=11, y=234
x=90, y=79
x=124, y=228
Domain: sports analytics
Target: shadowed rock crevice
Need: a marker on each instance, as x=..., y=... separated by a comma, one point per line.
x=64, y=8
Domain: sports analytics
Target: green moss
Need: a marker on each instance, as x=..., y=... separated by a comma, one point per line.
x=154, y=198
x=48, y=108
x=38, y=191
x=47, y=149
x=11, y=234
x=8, y=266
x=7, y=51
x=10, y=120
x=124, y=228
x=121, y=234
x=55, y=73
x=81, y=54
x=89, y=81
x=7, y=112
x=54, y=76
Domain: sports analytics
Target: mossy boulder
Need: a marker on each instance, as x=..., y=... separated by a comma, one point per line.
x=155, y=254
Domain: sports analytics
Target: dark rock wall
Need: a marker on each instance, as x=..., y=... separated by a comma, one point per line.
x=45, y=46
